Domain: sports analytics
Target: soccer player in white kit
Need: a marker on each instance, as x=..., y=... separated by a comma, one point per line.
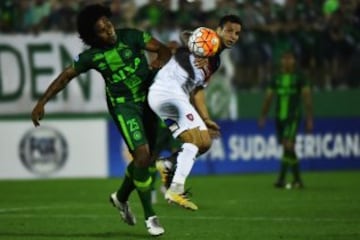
x=177, y=97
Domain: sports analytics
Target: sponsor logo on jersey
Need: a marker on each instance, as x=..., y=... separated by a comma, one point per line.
x=43, y=151
x=127, y=53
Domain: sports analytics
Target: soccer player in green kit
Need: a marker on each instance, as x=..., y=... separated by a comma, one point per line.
x=289, y=86
x=118, y=55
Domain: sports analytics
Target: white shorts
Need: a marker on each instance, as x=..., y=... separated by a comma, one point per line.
x=176, y=111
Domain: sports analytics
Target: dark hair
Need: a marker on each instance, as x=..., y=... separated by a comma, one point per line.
x=86, y=20
x=229, y=18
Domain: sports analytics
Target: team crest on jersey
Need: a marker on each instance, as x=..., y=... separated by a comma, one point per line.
x=126, y=53
x=190, y=117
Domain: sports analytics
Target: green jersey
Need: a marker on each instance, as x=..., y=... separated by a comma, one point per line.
x=288, y=87
x=124, y=66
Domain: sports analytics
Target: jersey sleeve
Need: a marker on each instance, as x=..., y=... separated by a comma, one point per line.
x=82, y=63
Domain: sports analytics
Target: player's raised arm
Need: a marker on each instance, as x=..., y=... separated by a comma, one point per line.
x=163, y=53
x=56, y=86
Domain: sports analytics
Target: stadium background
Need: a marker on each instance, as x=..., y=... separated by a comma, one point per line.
x=38, y=39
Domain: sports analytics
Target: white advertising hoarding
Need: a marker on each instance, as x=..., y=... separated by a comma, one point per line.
x=56, y=149
x=28, y=63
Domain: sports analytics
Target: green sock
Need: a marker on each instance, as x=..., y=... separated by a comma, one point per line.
x=153, y=174
x=143, y=181
x=127, y=185
x=284, y=167
x=295, y=168
x=283, y=170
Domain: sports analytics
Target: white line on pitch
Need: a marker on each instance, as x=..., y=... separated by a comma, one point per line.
x=6, y=213
x=199, y=218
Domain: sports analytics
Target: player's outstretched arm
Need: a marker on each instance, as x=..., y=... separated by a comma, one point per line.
x=56, y=86
x=163, y=53
x=199, y=102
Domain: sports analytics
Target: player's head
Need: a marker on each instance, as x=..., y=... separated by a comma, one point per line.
x=287, y=61
x=229, y=29
x=94, y=26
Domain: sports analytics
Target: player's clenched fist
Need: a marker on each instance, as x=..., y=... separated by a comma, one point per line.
x=37, y=114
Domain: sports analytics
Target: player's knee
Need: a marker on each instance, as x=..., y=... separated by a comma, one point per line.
x=142, y=157
x=191, y=136
x=187, y=137
x=204, y=145
x=203, y=149
x=206, y=141
x=202, y=140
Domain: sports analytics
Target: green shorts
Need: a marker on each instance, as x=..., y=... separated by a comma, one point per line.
x=287, y=129
x=136, y=122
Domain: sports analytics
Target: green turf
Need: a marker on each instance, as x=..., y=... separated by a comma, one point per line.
x=233, y=207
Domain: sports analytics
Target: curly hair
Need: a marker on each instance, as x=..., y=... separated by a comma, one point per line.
x=86, y=20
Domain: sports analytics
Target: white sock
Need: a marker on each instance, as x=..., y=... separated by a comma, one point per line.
x=185, y=162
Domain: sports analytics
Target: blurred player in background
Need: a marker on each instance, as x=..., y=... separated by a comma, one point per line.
x=177, y=96
x=290, y=87
x=118, y=55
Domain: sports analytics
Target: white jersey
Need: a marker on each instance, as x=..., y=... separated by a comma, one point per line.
x=180, y=76
x=169, y=95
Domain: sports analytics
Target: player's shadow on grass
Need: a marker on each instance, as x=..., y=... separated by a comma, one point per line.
x=105, y=235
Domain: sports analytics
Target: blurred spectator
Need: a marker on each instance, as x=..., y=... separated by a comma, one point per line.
x=330, y=6
x=325, y=34
x=39, y=13
x=124, y=13
x=63, y=16
x=7, y=16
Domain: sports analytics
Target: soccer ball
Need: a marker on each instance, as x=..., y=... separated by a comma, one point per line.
x=204, y=42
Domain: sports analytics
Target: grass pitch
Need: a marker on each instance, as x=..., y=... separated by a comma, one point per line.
x=234, y=207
